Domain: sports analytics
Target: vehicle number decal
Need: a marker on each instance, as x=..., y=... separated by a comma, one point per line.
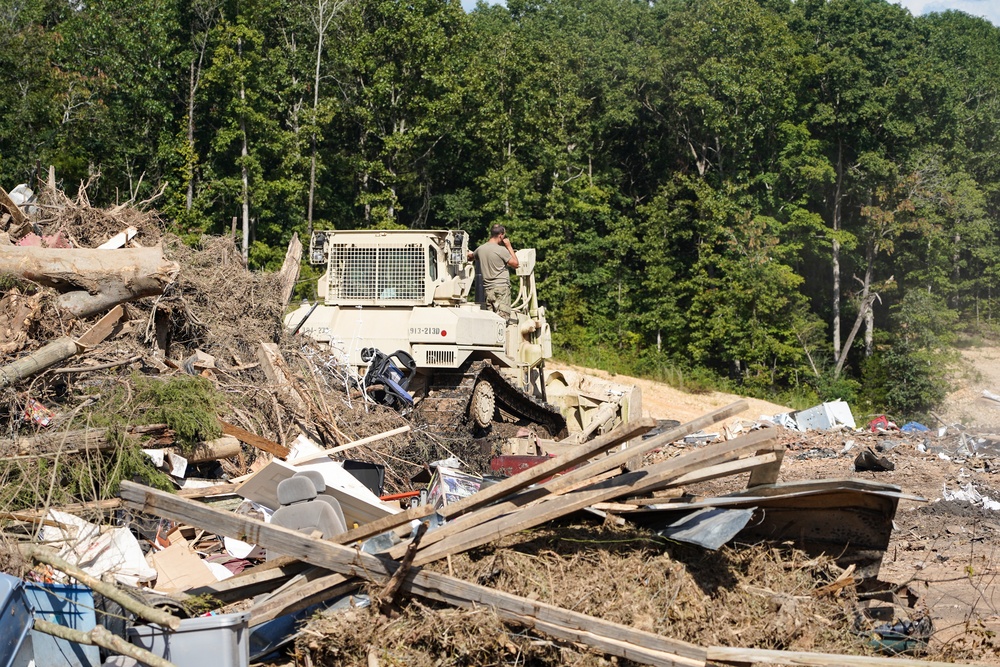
x=425, y=331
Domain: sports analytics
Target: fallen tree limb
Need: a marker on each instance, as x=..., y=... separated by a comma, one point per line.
x=89, y=278
x=47, y=556
x=100, y=636
x=98, y=367
x=60, y=349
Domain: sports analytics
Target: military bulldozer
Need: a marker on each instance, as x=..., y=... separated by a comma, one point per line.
x=394, y=305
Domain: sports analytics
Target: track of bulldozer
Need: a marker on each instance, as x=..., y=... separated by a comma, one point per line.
x=446, y=405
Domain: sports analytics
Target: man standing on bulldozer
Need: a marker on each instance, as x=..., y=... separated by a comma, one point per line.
x=492, y=259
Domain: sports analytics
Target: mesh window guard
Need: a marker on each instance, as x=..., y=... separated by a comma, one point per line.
x=377, y=274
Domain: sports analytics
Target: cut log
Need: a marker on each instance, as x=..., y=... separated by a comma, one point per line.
x=47, y=356
x=213, y=450
x=91, y=279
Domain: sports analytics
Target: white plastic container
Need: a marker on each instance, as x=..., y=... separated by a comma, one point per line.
x=222, y=638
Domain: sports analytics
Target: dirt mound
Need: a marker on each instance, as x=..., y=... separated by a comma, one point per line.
x=665, y=402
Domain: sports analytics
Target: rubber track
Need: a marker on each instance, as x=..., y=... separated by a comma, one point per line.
x=447, y=404
x=512, y=399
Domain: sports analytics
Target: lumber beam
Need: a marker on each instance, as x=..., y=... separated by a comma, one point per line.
x=554, y=466
x=254, y=440
x=612, y=638
x=633, y=483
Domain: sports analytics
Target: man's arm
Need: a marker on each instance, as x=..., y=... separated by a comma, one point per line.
x=512, y=262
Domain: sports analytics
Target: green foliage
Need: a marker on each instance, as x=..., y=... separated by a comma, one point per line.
x=694, y=174
x=76, y=477
x=907, y=376
x=187, y=404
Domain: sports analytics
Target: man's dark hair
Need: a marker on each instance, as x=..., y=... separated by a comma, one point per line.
x=497, y=230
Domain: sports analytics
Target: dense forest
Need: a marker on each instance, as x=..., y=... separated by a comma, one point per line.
x=798, y=197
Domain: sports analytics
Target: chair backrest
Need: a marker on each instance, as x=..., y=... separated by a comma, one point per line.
x=296, y=490
x=320, y=483
x=301, y=511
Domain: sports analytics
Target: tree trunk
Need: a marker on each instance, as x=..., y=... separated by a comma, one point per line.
x=91, y=279
x=189, y=202
x=864, y=307
x=244, y=172
x=835, y=252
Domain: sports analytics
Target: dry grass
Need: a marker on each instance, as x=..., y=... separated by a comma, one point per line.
x=750, y=596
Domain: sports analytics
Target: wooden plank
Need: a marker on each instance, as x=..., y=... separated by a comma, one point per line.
x=749, y=464
x=755, y=655
x=616, y=639
x=260, y=579
x=296, y=598
x=767, y=474
x=119, y=240
x=248, y=438
x=103, y=328
x=490, y=512
x=351, y=445
x=621, y=458
x=633, y=483
x=554, y=466
x=523, y=499
x=379, y=526
x=569, y=481
x=16, y=213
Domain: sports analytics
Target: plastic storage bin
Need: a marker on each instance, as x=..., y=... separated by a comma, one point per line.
x=15, y=620
x=71, y=606
x=221, y=641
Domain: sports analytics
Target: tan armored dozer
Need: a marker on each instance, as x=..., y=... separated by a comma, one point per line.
x=408, y=291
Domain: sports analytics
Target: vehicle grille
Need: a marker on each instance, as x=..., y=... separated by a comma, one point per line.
x=377, y=274
x=440, y=358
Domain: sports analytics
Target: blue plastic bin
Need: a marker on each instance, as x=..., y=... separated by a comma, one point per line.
x=15, y=618
x=71, y=606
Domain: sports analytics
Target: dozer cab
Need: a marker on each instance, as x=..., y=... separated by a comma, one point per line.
x=394, y=305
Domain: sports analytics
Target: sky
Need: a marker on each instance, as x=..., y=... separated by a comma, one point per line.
x=988, y=9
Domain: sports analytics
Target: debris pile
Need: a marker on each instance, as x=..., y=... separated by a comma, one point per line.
x=209, y=481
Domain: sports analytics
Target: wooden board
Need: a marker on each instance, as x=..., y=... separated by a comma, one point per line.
x=621, y=458
x=306, y=594
x=612, y=638
x=743, y=656
x=633, y=483
x=554, y=466
x=246, y=437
